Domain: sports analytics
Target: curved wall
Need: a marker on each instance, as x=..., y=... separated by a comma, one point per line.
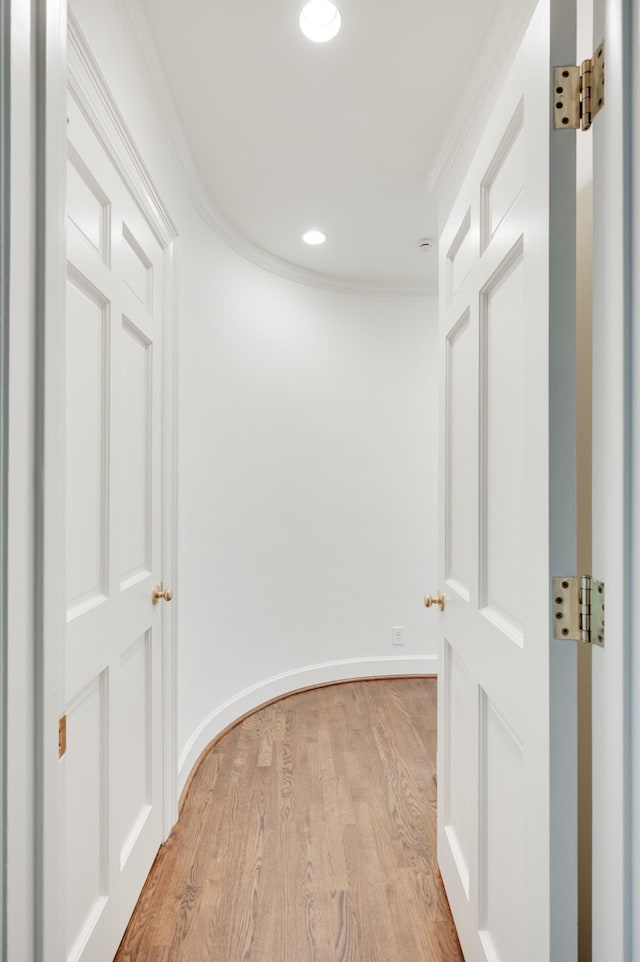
x=307, y=461
x=307, y=492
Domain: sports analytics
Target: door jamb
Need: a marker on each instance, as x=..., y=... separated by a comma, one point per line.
x=615, y=501
x=634, y=754
x=5, y=213
x=49, y=613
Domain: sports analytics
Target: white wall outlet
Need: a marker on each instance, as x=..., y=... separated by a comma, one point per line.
x=397, y=636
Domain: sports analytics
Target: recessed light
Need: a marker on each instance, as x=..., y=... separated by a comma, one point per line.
x=314, y=237
x=320, y=20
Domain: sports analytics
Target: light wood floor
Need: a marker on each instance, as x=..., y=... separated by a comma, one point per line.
x=308, y=835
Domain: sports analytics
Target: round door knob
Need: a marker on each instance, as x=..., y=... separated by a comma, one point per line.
x=439, y=601
x=160, y=593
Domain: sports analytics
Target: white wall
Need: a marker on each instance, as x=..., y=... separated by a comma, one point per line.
x=308, y=437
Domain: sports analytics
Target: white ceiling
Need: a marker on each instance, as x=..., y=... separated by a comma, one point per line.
x=288, y=135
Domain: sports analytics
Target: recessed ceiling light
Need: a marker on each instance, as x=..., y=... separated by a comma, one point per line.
x=320, y=20
x=314, y=237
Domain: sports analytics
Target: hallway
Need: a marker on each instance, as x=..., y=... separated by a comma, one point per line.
x=307, y=834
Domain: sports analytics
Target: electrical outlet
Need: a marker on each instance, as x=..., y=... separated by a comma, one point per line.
x=397, y=636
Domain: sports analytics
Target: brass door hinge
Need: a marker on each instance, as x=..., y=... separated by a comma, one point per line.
x=578, y=93
x=578, y=610
x=62, y=735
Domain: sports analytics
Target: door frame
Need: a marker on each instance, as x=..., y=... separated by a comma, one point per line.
x=65, y=63
x=49, y=55
x=616, y=501
x=5, y=214
x=51, y=67
x=634, y=120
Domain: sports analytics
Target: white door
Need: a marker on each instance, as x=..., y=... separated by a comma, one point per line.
x=506, y=752
x=113, y=676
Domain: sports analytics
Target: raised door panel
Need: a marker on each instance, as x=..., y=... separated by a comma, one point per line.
x=501, y=874
x=460, y=696
x=461, y=256
x=502, y=420
x=87, y=426
x=87, y=815
x=137, y=269
x=502, y=184
x=88, y=209
x=461, y=405
x=135, y=396
x=135, y=738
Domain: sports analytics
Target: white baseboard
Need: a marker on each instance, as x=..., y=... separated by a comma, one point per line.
x=279, y=685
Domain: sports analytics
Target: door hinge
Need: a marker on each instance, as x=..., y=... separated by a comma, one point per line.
x=578, y=609
x=578, y=93
x=62, y=735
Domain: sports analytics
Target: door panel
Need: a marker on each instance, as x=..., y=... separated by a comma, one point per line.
x=501, y=881
x=87, y=388
x=501, y=718
x=502, y=447
x=86, y=812
x=504, y=179
x=459, y=730
x=135, y=718
x=135, y=476
x=113, y=765
x=461, y=382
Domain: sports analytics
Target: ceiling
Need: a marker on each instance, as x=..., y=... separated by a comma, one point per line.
x=288, y=135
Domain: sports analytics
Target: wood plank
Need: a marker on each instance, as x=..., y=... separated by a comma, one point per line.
x=308, y=833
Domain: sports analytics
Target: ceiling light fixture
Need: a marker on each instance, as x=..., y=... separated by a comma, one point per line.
x=314, y=237
x=320, y=20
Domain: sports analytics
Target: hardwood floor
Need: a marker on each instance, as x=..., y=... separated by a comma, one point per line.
x=308, y=835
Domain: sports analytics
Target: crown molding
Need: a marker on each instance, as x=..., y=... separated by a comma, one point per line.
x=137, y=25
x=483, y=80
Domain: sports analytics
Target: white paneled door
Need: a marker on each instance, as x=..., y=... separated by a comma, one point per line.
x=507, y=344
x=112, y=770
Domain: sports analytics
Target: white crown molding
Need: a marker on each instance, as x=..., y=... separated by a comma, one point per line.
x=278, y=686
x=137, y=25
x=483, y=80
x=89, y=89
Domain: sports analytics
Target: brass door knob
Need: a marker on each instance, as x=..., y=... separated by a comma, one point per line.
x=439, y=601
x=160, y=593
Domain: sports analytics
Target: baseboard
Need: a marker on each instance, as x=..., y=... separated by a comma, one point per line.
x=278, y=685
